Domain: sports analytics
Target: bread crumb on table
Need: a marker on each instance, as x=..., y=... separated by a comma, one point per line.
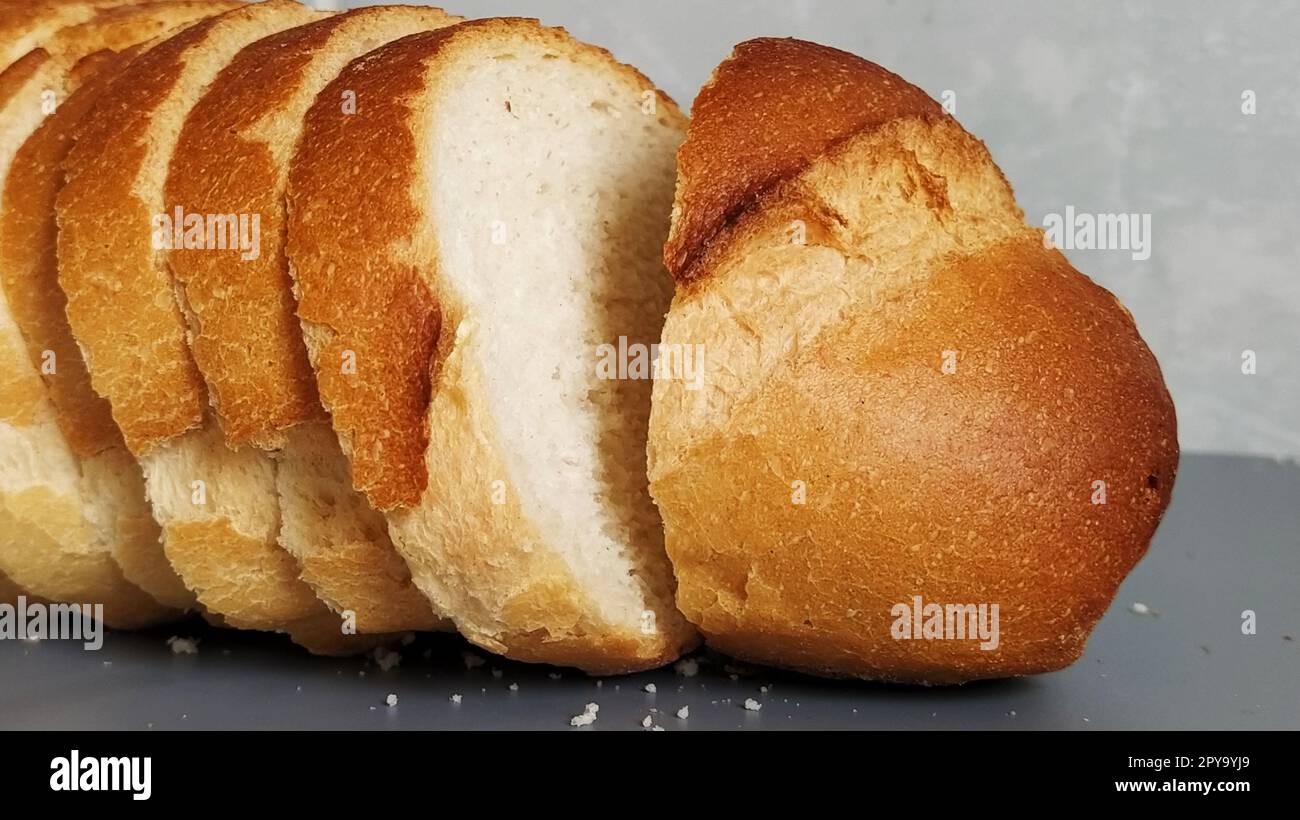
x=455, y=698
x=752, y=705
x=391, y=700
x=386, y=658
x=183, y=646
x=651, y=689
x=687, y=667
x=684, y=712
x=587, y=717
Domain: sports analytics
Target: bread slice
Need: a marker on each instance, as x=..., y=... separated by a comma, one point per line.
x=908, y=399
x=217, y=506
x=73, y=511
x=516, y=490
x=244, y=332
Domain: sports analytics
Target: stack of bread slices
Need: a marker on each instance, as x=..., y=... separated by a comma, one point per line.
x=301, y=314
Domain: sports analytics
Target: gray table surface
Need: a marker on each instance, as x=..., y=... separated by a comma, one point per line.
x=1230, y=542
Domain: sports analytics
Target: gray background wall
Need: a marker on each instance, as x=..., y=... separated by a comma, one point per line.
x=1124, y=107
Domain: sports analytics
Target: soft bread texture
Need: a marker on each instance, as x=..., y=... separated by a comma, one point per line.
x=217, y=506
x=509, y=226
x=75, y=515
x=834, y=233
x=233, y=158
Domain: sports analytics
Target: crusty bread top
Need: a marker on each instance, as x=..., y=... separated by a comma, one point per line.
x=745, y=139
x=28, y=260
x=120, y=299
x=233, y=157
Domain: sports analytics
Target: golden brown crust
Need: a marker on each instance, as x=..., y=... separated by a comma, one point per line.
x=965, y=488
x=106, y=259
x=858, y=471
x=118, y=292
x=248, y=341
x=29, y=265
x=769, y=111
x=373, y=308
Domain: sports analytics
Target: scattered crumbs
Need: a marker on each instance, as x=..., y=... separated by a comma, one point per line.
x=483, y=690
x=185, y=717
x=714, y=702
x=361, y=673
x=647, y=721
x=497, y=673
x=587, y=717
x=150, y=724
x=1012, y=713
x=734, y=676
x=372, y=708
x=753, y=705
x=107, y=664
x=617, y=687
x=386, y=658
x=456, y=698
x=1287, y=638
x=687, y=667
x=683, y=713
x=1140, y=608
x=472, y=661
x=600, y=684
x=391, y=700
x=298, y=689
x=554, y=675
x=681, y=689
x=651, y=689
x=656, y=728
x=183, y=646
x=1085, y=720
x=514, y=687
x=763, y=689
x=654, y=711
x=855, y=711
x=408, y=639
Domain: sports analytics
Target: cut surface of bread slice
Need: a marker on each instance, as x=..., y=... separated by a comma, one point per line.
x=908, y=399
x=217, y=506
x=508, y=229
x=232, y=158
x=78, y=516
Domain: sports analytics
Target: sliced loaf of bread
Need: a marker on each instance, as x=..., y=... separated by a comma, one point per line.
x=466, y=246
x=233, y=159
